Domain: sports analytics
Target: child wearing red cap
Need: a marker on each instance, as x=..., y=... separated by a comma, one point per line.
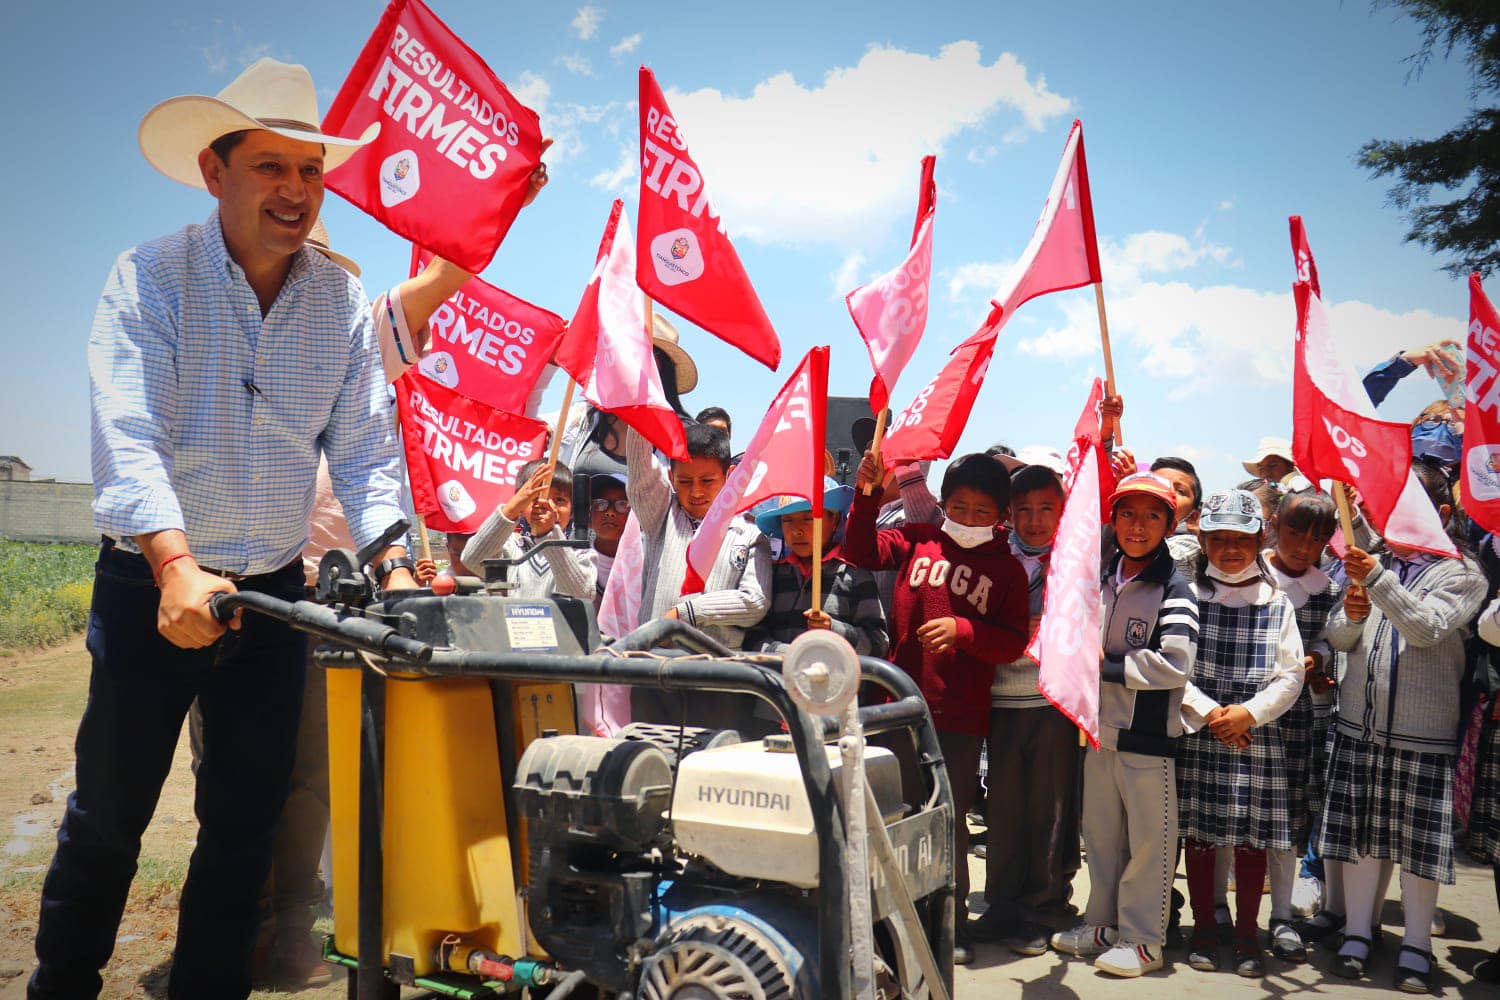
x=1129, y=784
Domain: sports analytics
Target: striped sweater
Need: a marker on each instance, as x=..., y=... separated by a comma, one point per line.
x=737, y=592
x=554, y=570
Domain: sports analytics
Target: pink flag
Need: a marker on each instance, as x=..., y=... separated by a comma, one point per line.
x=1338, y=436
x=785, y=458
x=1063, y=253
x=891, y=311
x=1481, y=462
x=1066, y=644
x=686, y=260
x=605, y=708
x=607, y=348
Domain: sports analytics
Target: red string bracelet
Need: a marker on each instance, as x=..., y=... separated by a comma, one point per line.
x=167, y=562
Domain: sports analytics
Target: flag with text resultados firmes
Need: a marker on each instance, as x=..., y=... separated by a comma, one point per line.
x=461, y=455
x=685, y=259
x=488, y=344
x=785, y=458
x=1066, y=643
x=1063, y=253
x=1481, y=460
x=453, y=161
x=607, y=348
x=1337, y=434
x=891, y=311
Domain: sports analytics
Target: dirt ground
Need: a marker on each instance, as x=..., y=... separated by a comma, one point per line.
x=42, y=695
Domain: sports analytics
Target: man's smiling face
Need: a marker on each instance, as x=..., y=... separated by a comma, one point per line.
x=269, y=195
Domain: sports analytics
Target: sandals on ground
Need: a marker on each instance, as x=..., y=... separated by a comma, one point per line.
x=1409, y=980
x=1351, y=966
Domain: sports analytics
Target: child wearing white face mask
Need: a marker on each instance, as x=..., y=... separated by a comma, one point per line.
x=960, y=607
x=1232, y=783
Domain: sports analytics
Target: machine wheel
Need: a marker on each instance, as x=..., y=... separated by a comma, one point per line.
x=716, y=959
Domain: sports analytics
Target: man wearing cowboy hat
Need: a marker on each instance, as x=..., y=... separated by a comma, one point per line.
x=224, y=360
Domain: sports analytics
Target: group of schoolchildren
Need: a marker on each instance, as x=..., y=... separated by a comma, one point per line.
x=1261, y=699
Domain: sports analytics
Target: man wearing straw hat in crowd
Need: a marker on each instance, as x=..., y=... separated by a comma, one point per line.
x=224, y=360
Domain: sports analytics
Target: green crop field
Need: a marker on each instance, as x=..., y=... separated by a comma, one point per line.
x=44, y=592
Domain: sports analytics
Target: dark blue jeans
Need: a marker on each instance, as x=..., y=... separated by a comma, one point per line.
x=249, y=685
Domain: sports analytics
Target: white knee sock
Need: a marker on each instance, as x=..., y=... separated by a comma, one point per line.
x=1418, y=902
x=1361, y=891
x=1282, y=866
x=1333, y=887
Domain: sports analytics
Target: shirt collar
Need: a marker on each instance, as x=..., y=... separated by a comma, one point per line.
x=832, y=553
x=217, y=252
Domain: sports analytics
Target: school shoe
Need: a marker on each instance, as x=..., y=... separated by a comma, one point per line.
x=994, y=924
x=1248, y=961
x=1029, y=939
x=1321, y=925
x=1129, y=960
x=1286, y=943
x=1350, y=965
x=963, y=947
x=1439, y=922
x=1307, y=896
x=1410, y=980
x=1085, y=940
x=1203, y=953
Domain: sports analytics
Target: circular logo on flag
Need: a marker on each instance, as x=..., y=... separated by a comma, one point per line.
x=677, y=256
x=400, y=177
x=403, y=167
x=679, y=248
x=1483, y=479
x=441, y=368
x=455, y=500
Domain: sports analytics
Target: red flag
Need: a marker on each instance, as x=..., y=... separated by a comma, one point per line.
x=785, y=458
x=462, y=456
x=454, y=157
x=1307, y=268
x=1481, y=461
x=487, y=343
x=686, y=261
x=891, y=311
x=607, y=349
x=1088, y=434
x=1066, y=644
x=932, y=423
x=1338, y=436
x=1063, y=253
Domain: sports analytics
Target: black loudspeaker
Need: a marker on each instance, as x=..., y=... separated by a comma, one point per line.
x=850, y=429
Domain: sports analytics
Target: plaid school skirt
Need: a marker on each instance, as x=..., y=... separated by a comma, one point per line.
x=1304, y=782
x=1228, y=797
x=1392, y=804
x=1484, y=816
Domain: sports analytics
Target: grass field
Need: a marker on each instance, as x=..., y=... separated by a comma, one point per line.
x=44, y=593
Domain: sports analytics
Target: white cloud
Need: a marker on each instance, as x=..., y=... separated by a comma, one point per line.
x=1212, y=336
x=982, y=154
x=532, y=91
x=1226, y=204
x=834, y=162
x=576, y=64
x=586, y=21
x=846, y=278
x=983, y=276
x=626, y=45
x=622, y=177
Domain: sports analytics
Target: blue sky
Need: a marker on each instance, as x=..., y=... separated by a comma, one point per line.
x=1205, y=125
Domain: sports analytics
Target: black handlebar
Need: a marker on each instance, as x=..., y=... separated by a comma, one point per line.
x=315, y=619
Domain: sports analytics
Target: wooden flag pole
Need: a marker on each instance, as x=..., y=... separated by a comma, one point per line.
x=562, y=423
x=817, y=566
x=1109, y=361
x=875, y=443
x=1346, y=519
x=422, y=538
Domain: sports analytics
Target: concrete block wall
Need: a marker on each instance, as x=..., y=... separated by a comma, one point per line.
x=47, y=512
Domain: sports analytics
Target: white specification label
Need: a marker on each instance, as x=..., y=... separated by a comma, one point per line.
x=531, y=627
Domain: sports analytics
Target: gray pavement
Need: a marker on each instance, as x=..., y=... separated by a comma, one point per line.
x=1473, y=931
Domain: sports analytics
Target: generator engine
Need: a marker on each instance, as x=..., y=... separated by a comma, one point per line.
x=691, y=879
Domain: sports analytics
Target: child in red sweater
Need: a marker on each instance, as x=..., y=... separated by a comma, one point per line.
x=960, y=607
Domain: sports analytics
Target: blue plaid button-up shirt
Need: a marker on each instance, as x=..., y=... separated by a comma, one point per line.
x=208, y=418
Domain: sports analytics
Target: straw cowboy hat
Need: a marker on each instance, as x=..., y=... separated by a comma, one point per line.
x=1268, y=446
x=664, y=336
x=318, y=240
x=271, y=95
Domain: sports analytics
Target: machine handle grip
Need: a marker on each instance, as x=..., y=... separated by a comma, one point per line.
x=221, y=608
